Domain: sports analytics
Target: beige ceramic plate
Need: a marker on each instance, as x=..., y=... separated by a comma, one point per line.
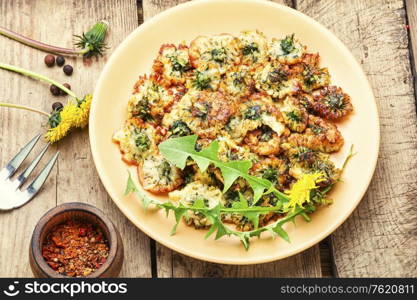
x=185, y=22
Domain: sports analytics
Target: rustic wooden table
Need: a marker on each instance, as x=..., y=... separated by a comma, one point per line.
x=379, y=239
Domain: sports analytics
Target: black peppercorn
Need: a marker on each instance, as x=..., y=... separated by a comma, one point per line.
x=60, y=60
x=57, y=106
x=68, y=70
x=55, y=90
x=49, y=60
x=67, y=85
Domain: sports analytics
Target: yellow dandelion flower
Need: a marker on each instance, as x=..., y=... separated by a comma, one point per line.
x=83, y=112
x=55, y=134
x=300, y=191
x=61, y=121
x=69, y=113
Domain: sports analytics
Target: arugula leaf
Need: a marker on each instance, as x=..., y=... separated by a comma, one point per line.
x=252, y=216
x=214, y=215
x=178, y=150
x=179, y=212
x=131, y=188
x=281, y=232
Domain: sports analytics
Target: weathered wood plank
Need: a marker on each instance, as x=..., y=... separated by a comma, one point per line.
x=75, y=179
x=380, y=238
x=153, y=7
x=172, y=264
x=411, y=9
x=18, y=127
x=78, y=179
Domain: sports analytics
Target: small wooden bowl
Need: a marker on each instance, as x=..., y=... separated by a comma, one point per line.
x=80, y=211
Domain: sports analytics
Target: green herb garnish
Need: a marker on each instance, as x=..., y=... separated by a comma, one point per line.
x=253, y=113
x=201, y=81
x=277, y=75
x=335, y=101
x=287, y=44
x=270, y=174
x=179, y=65
x=293, y=116
x=178, y=150
x=219, y=55
x=165, y=170
x=309, y=77
x=142, y=110
x=214, y=215
x=250, y=49
x=301, y=199
x=179, y=128
x=142, y=141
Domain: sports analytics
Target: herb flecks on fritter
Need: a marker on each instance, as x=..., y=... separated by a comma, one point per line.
x=331, y=103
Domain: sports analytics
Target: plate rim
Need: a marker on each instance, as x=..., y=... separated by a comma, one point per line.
x=166, y=241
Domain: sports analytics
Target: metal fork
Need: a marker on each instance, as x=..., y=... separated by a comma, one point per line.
x=11, y=196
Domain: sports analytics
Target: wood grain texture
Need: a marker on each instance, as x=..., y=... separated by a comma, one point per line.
x=380, y=238
x=75, y=178
x=79, y=168
x=411, y=9
x=153, y=7
x=17, y=128
x=172, y=264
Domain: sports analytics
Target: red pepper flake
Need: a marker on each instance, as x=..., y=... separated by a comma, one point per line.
x=83, y=231
x=161, y=130
x=75, y=248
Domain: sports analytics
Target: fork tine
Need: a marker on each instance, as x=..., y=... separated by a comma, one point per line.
x=16, y=161
x=24, y=176
x=37, y=183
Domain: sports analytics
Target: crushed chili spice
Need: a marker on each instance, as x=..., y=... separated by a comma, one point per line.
x=75, y=248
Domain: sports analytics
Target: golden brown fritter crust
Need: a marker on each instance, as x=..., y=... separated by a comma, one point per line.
x=320, y=135
x=294, y=114
x=273, y=168
x=331, y=103
x=211, y=110
x=263, y=142
x=172, y=65
x=265, y=101
x=158, y=176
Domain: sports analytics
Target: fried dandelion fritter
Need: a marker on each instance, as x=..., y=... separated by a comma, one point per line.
x=269, y=102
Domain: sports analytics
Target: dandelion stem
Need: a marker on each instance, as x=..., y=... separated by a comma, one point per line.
x=90, y=43
x=37, y=76
x=348, y=157
x=39, y=45
x=3, y=104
